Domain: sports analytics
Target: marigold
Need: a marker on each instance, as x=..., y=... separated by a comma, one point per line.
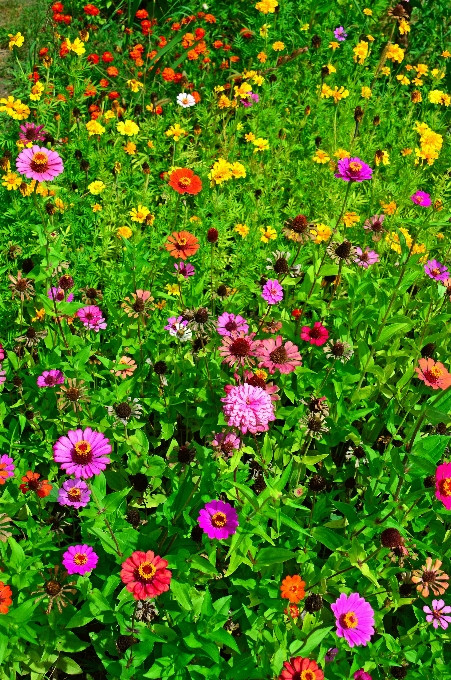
x=220, y=172
x=175, y=131
x=267, y=6
x=321, y=156
x=128, y=128
x=292, y=588
x=96, y=187
x=320, y=233
x=278, y=46
x=15, y=40
x=350, y=218
x=139, y=214
x=395, y=53
x=94, y=128
x=242, y=230
x=124, y=232
x=268, y=234
x=11, y=181
x=361, y=51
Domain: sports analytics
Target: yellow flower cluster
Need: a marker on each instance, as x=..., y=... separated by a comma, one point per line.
x=267, y=6
x=395, y=244
x=242, y=230
x=350, y=218
x=439, y=97
x=135, y=85
x=36, y=91
x=260, y=144
x=366, y=92
x=14, y=108
x=11, y=181
x=94, y=128
x=222, y=171
x=430, y=144
x=336, y=93
x=128, y=128
x=395, y=53
x=361, y=51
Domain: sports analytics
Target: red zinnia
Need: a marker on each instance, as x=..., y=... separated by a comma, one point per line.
x=299, y=668
x=317, y=335
x=5, y=598
x=182, y=244
x=142, y=14
x=91, y=10
x=32, y=483
x=145, y=575
x=184, y=181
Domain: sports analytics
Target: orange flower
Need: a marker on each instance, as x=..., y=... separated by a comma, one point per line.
x=184, y=181
x=182, y=244
x=32, y=483
x=433, y=374
x=292, y=588
x=128, y=367
x=5, y=598
x=430, y=576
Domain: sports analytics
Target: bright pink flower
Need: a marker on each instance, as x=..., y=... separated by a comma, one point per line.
x=353, y=170
x=443, y=484
x=228, y=324
x=272, y=292
x=83, y=453
x=274, y=355
x=39, y=163
x=226, y=443
x=435, y=270
x=91, y=317
x=145, y=575
x=438, y=614
x=218, y=519
x=421, y=198
x=354, y=618
x=74, y=492
x=239, y=349
x=6, y=468
x=248, y=408
x=50, y=378
x=362, y=675
x=317, y=335
x=79, y=559
x=365, y=257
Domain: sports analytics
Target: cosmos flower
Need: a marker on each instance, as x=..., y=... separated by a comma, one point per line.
x=6, y=468
x=74, y=492
x=248, y=408
x=421, y=198
x=39, y=163
x=184, y=181
x=230, y=324
x=218, y=519
x=272, y=292
x=274, y=355
x=364, y=258
x=443, y=484
x=317, y=335
x=185, y=100
x=433, y=374
x=435, y=270
x=182, y=244
x=354, y=619
x=430, y=576
x=301, y=668
x=292, y=588
x=82, y=453
x=438, y=614
x=353, y=170
x=50, y=378
x=145, y=575
x=79, y=559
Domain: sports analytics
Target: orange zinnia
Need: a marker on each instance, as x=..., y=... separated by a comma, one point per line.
x=433, y=374
x=184, y=181
x=292, y=588
x=32, y=483
x=182, y=244
x=5, y=598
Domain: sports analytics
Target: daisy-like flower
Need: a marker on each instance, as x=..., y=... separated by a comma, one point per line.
x=126, y=410
x=443, y=484
x=41, y=487
x=314, y=424
x=218, y=519
x=50, y=378
x=354, y=619
x=239, y=349
x=437, y=271
x=433, y=374
x=185, y=269
x=439, y=614
x=353, y=170
x=29, y=132
x=182, y=244
x=272, y=292
x=421, y=198
x=39, y=163
x=248, y=408
x=297, y=229
x=31, y=337
x=177, y=327
x=140, y=304
x=375, y=225
x=6, y=468
x=364, y=258
x=274, y=355
x=231, y=324
x=74, y=492
x=341, y=252
x=292, y=588
x=21, y=286
x=5, y=598
x=430, y=576
x=340, y=34
x=74, y=394
x=91, y=317
x=59, y=295
x=226, y=443
x=300, y=668
x=125, y=368
x=145, y=575
x=184, y=181
x=79, y=559
x=279, y=264
x=317, y=335
x=82, y=453
x=185, y=100
x=55, y=589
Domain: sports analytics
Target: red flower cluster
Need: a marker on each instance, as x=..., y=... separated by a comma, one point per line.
x=91, y=10
x=32, y=483
x=58, y=16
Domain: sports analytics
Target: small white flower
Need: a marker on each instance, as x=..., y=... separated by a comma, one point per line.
x=205, y=6
x=185, y=100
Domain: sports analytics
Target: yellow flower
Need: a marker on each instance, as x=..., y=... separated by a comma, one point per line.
x=342, y=153
x=96, y=187
x=382, y=157
x=242, y=230
x=194, y=218
x=134, y=85
x=267, y=234
x=128, y=128
x=334, y=45
x=370, y=38
x=361, y=51
x=11, y=181
x=417, y=81
x=260, y=144
x=96, y=207
x=15, y=40
x=238, y=170
x=220, y=172
x=249, y=137
x=124, y=232
x=173, y=289
x=403, y=27
x=258, y=80
x=389, y=208
x=385, y=70
x=77, y=46
x=40, y=313
x=264, y=30
x=305, y=27
x=130, y=148
x=350, y=218
x=339, y=94
x=394, y=241
x=321, y=156
x=218, y=88
x=36, y=91
x=176, y=132
x=14, y=108
x=249, y=74
x=366, y=92
x=421, y=69
x=242, y=90
x=403, y=79
x=139, y=214
x=395, y=53
x=331, y=68
x=262, y=57
x=94, y=128
x=278, y=46
x=430, y=144
x=368, y=12
x=440, y=235
x=267, y=6
x=60, y=205
x=320, y=233
x=439, y=97
x=406, y=152
x=446, y=54
x=108, y=115
x=437, y=74
x=326, y=91
x=224, y=102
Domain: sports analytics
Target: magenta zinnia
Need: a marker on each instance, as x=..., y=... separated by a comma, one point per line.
x=74, y=492
x=354, y=619
x=6, y=468
x=39, y=163
x=272, y=292
x=435, y=270
x=83, y=453
x=353, y=170
x=50, y=378
x=230, y=324
x=79, y=559
x=317, y=335
x=91, y=317
x=274, y=355
x=218, y=519
x=249, y=408
x=443, y=484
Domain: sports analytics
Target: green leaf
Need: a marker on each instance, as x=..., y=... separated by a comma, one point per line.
x=328, y=538
x=203, y=565
x=268, y=556
x=431, y=447
x=68, y=665
x=314, y=640
x=181, y=593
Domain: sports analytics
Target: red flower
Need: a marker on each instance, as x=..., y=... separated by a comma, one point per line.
x=57, y=7
x=67, y=19
x=145, y=575
x=433, y=374
x=199, y=33
x=113, y=95
x=142, y=14
x=5, y=598
x=317, y=335
x=107, y=57
x=112, y=71
x=32, y=483
x=92, y=10
x=182, y=244
x=296, y=313
x=168, y=74
x=184, y=181
x=103, y=82
x=299, y=668
x=93, y=59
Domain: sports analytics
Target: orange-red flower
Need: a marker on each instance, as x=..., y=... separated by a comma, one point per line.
x=5, y=598
x=184, y=181
x=304, y=669
x=32, y=483
x=182, y=244
x=433, y=374
x=292, y=588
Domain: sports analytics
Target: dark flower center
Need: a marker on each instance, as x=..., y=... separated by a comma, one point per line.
x=138, y=305
x=82, y=453
x=73, y=394
x=377, y=226
x=315, y=424
x=39, y=162
x=428, y=576
x=365, y=256
x=348, y=620
x=21, y=284
x=279, y=355
x=299, y=224
x=91, y=293
x=31, y=333
x=227, y=447
x=145, y=572
x=240, y=347
x=219, y=520
x=123, y=410
x=315, y=333
x=34, y=484
x=445, y=486
x=50, y=380
x=231, y=326
x=338, y=349
x=201, y=316
x=74, y=493
x=52, y=588
x=281, y=266
x=255, y=381
x=343, y=250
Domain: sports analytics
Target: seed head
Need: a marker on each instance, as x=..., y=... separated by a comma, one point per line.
x=317, y=483
x=212, y=235
x=391, y=538
x=313, y=603
x=160, y=367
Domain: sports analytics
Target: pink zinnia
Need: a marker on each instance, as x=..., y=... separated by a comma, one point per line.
x=91, y=317
x=443, y=484
x=74, y=492
x=79, y=559
x=2, y=375
x=354, y=619
x=362, y=675
x=50, y=378
x=145, y=575
x=438, y=614
x=83, y=453
x=365, y=257
x=317, y=335
x=274, y=355
x=433, y=374
x=421, y=198
x=239, y=349
x=249, y=408
x=226, y=443
x=435, y=270
x=39, y=163
x=228, y=324
x=272, y=292
x=32, y=133
x=353, y=170
x=218, y=519
x=2, y=352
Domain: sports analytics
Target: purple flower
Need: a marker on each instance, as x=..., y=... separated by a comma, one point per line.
x=252, y=97
x=272, y=292
x=437, y=615
x=331, y=654
x=218, y=519
x=340, y=34
x=435, y=270
x=226, y=443
x=32, y=133
x=375, y=224
x=229, y=324
x=51, y=378
x=421, y=198
x=354, y=619
x=79, y=559
x=83, y=453
x=175, y=324
x=74, y=492
x=365, y=257
x=6, y=468
x=362, y=675
x=91, y=317
x=58, y=294
x=353, y=170
x=184, y=268
x=248, y=408
x=39, y=163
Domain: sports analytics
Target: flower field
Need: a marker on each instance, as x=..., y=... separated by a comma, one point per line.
x=225, y=305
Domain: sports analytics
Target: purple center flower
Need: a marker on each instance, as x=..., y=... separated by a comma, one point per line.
x=435, y=270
